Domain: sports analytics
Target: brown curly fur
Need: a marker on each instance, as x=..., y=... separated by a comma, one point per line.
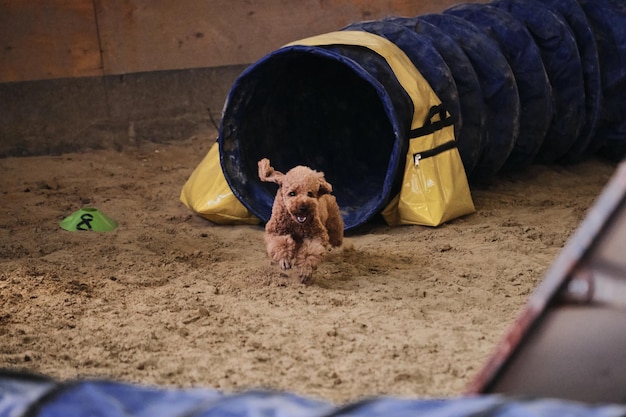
x=305, y=219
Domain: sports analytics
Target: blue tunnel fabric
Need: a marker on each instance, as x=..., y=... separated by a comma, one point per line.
x=472, y=119
x=607, y=19
x=341, y=110
x=500, y=96
x=533, y=85
x=337, y=108
x=572, y=12
x=562, y=62
x=32, y=396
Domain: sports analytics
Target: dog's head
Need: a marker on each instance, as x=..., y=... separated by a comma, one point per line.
x=299, y=189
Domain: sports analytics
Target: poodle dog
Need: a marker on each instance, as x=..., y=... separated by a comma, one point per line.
x=305, y=219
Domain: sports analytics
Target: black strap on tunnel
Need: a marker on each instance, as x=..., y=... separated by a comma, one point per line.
x=431, y=126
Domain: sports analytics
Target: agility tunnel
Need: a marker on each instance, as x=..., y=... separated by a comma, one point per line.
x=523, y=82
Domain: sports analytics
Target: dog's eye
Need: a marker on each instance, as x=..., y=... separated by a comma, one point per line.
x=292, y=194
x=310, y=194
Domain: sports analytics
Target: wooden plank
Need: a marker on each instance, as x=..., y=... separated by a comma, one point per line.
x=48, y=39
x=148, y=35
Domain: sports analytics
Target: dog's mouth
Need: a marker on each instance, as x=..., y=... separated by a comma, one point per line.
x=301, y=213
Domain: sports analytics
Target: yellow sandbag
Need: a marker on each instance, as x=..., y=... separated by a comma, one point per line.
x=434, y=188
x=207, y=193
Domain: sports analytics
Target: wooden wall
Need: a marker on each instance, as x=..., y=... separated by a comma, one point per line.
x=46, y=39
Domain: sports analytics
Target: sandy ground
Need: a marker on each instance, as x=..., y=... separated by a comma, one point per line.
x=172, y=299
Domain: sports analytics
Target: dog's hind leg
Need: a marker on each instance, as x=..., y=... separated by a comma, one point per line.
x=281, y=249
x=333, y=221
x=334, y=225
x=308, y=257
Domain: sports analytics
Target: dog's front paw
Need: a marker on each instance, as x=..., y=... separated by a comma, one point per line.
x=306, y=275
x=285, y=264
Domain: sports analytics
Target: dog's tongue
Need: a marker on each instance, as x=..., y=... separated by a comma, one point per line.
x=301, y=219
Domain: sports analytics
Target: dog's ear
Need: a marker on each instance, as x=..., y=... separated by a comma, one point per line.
x=325, y=187
x=267, y=173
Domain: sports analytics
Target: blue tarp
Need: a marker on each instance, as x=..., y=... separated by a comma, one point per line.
x=23, y=395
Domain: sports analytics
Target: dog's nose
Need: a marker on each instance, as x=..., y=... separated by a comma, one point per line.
x=303, y=208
